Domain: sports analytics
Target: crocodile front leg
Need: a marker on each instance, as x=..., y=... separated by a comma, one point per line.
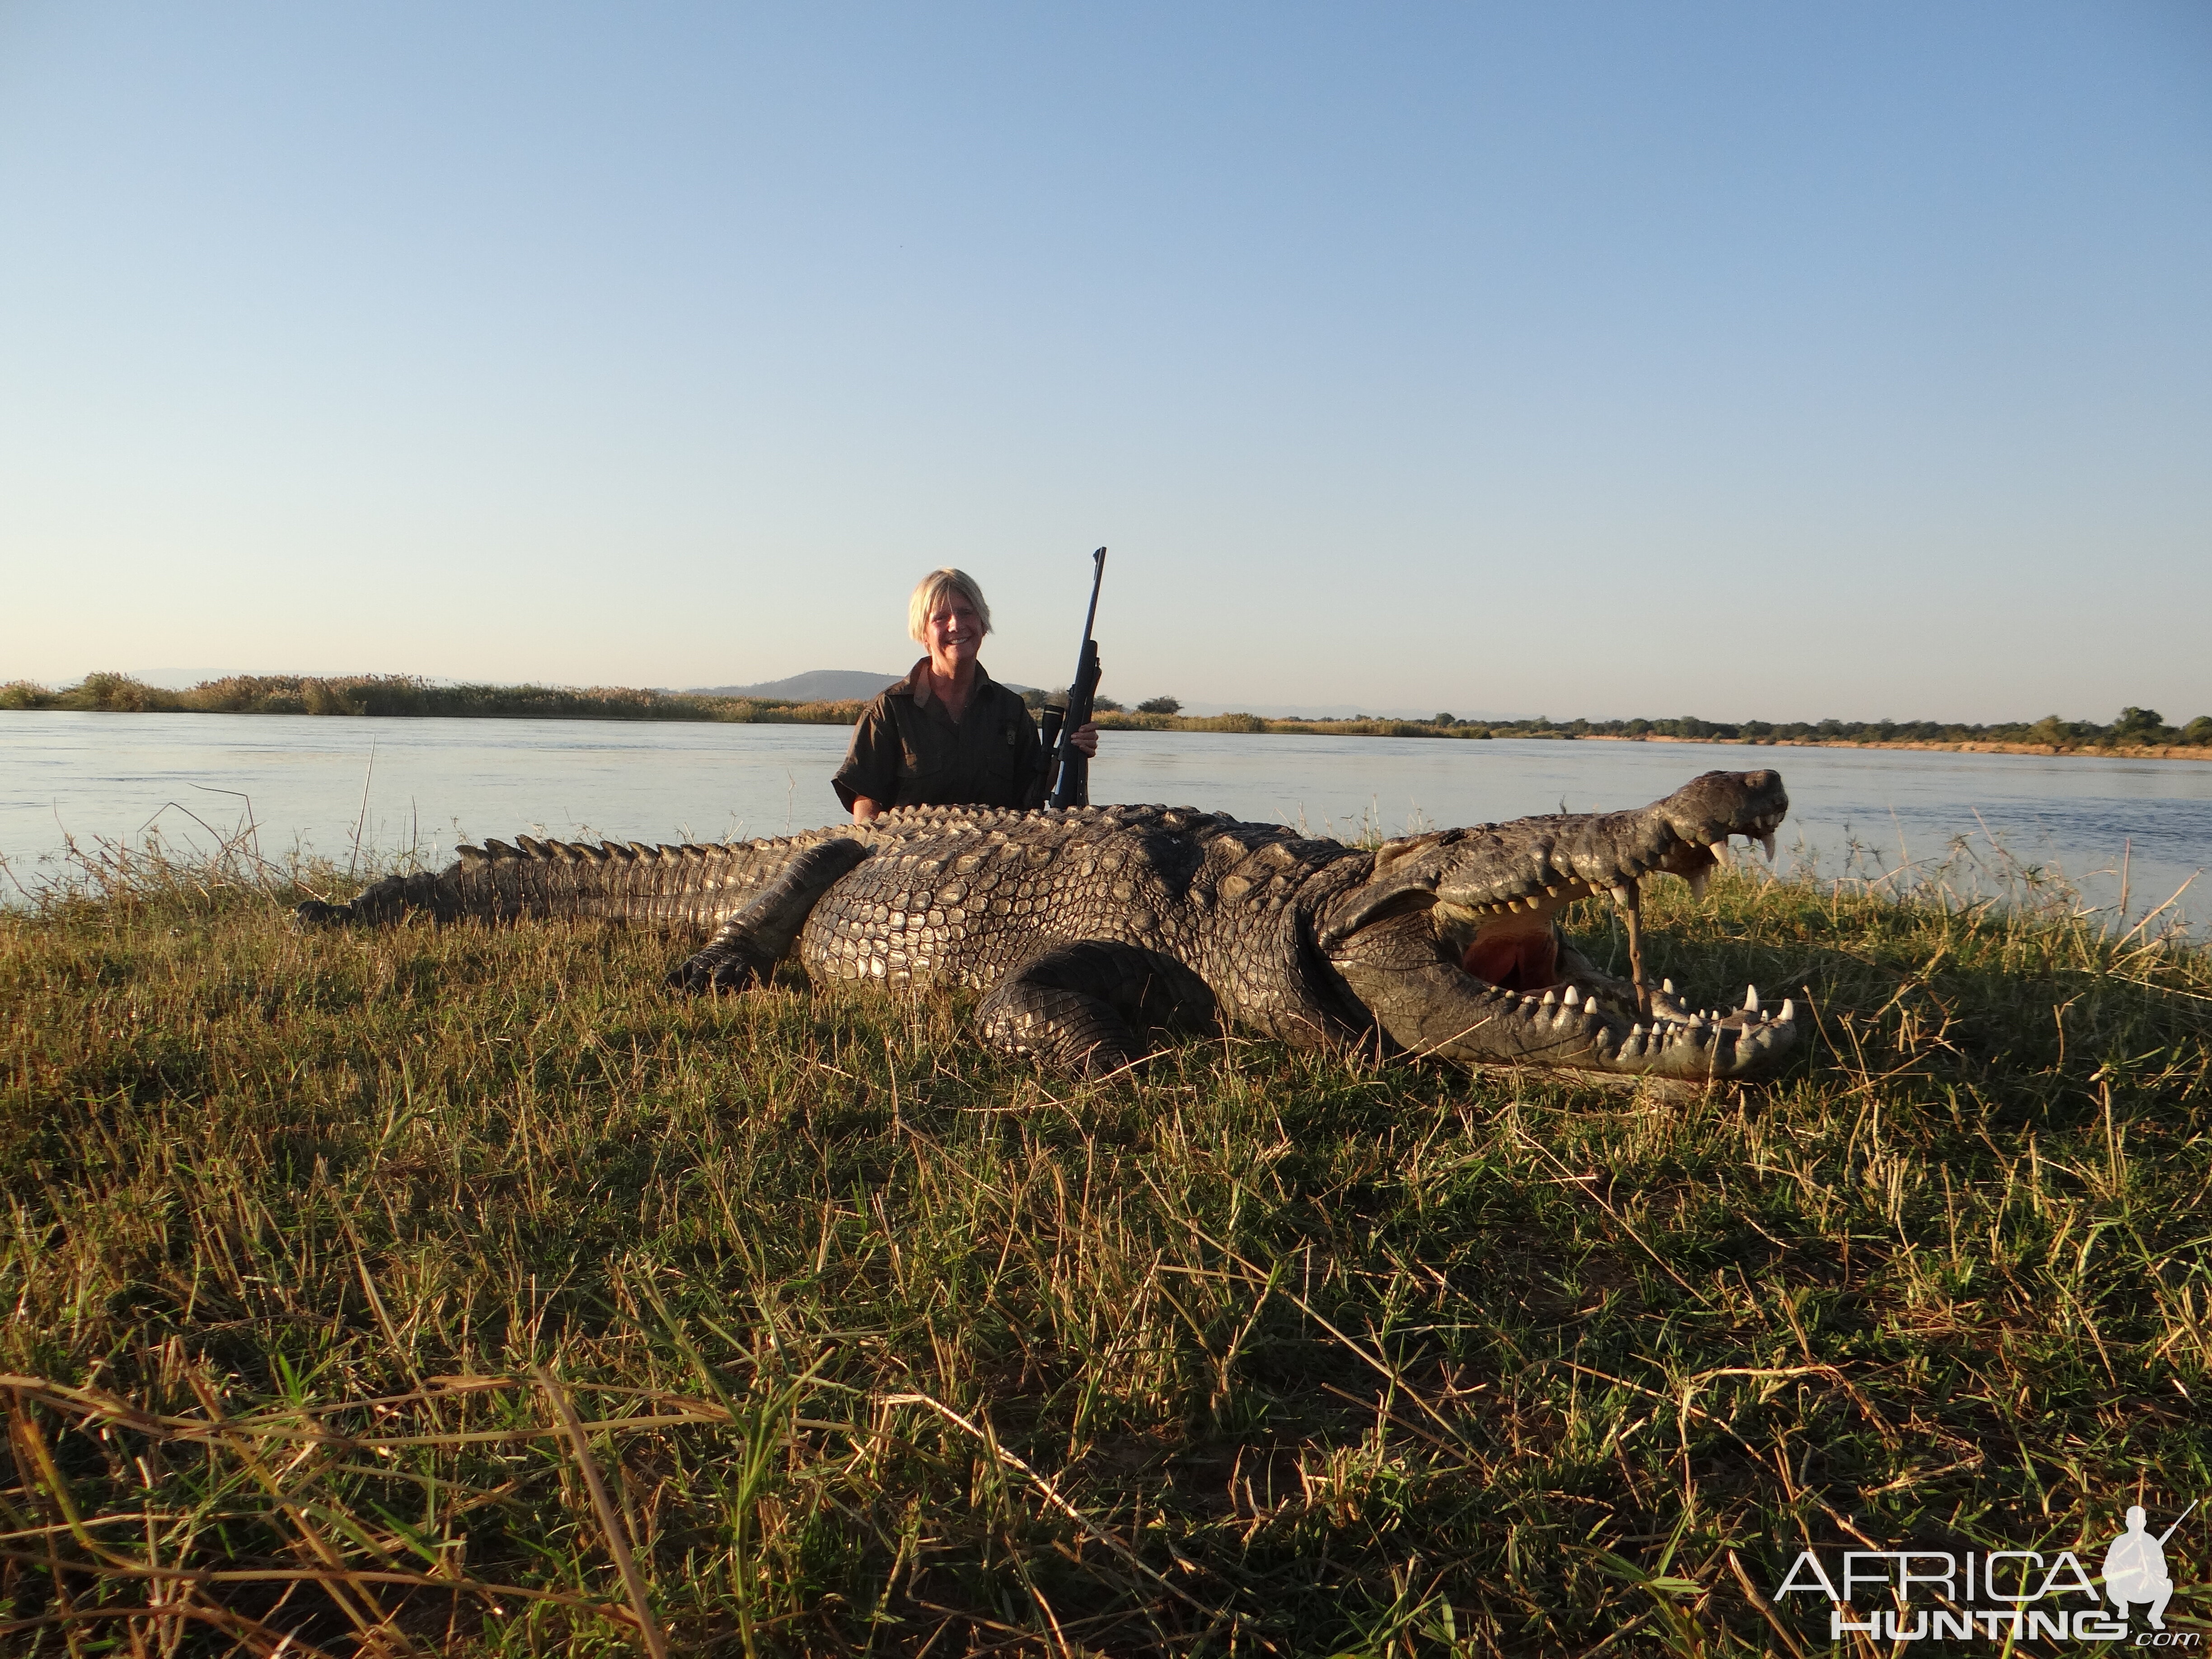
x=747, y=947
x=1076, y=1009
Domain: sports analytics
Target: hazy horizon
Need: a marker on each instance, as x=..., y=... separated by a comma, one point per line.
x=1726, y=360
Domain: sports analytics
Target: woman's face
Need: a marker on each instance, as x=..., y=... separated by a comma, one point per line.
x=952, y=633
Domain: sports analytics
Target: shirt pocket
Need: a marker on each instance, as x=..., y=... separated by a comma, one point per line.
x=1000, y=762
x=924, y=769
x=919, y=772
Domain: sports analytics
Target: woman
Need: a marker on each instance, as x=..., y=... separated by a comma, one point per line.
x=948, y=734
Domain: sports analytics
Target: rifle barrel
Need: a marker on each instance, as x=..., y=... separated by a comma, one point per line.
x=2178, y=1519
x=1097, y=576
x=1071, y=767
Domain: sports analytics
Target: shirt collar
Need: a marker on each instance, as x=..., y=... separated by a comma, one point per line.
x=916, y=684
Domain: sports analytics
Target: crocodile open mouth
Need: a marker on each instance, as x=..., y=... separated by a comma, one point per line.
x=1503, y=931
x=1518, y=953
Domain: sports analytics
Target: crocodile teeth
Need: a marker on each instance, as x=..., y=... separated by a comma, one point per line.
x=1572, y=997
x=1624, y=894
x=1719, y=849
x=1549, y=999
x=1788, y=1011
x=1751, y=999
x=1668, y=985
x=1699, y=880
x=1766, y=845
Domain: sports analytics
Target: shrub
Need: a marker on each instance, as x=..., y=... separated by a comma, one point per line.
x=2058, y=733
x=1037, y=699
x=1159, y=706
x=2141, y=725
x=331, y=698
x=29, y=694
x=114, y=694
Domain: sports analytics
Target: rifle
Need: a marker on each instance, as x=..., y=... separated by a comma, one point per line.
x=1064, y=761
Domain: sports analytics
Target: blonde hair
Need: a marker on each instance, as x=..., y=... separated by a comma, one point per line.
x=930, y=591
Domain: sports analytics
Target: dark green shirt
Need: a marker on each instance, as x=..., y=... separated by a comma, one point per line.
x=908, y=752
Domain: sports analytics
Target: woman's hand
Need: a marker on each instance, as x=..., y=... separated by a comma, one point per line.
x=865, y=810
x=1085, y=737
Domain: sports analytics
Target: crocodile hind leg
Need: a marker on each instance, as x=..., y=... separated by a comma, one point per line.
x=746, y=948
x=1077, y=1009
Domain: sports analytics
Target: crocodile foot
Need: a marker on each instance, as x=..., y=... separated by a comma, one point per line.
x=729, y=965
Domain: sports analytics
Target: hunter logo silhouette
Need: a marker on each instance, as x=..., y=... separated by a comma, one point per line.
x=2135, y=1567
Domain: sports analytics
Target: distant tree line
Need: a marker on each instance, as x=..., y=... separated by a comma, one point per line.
x=2136, y=728
x=409, y=695
x=2144, y=728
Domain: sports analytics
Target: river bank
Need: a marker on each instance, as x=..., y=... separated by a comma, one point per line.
x=2137, y=735
x=1379, y=728
x=2125, y=752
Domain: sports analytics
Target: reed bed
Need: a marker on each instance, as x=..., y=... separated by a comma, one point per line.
x=411, y=696
x=461, y=1292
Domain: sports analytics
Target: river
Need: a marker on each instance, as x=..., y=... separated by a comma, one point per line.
x=311, y=782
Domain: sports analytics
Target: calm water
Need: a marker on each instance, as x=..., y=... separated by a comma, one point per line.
x=191, y=778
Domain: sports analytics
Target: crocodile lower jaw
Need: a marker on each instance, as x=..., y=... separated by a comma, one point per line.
x=1569, y=1028
x=1542, y=1012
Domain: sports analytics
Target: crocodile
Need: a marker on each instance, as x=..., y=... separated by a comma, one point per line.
x=1083, y=929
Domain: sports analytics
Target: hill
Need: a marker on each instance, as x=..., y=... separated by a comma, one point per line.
x=815, y=685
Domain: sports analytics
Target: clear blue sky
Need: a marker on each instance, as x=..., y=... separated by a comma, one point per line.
x=1609, y=359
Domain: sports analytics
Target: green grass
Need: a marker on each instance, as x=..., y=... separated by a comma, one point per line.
x=876, y=1343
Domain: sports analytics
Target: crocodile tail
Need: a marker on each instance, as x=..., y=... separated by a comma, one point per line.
x=686, y=886
x=387, y=901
